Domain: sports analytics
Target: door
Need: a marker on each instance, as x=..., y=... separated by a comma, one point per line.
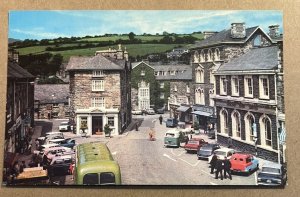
x=97, y=124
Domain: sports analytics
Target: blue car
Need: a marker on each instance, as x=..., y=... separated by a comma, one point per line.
x=171, y=122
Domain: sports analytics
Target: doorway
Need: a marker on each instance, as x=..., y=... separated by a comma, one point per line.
x=97, y=124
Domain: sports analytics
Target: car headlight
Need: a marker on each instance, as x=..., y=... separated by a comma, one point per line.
x=258, y=179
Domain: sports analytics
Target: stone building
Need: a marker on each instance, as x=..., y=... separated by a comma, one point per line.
x=51, y=101
x=215, y=50
x=100, y=91
x=247, y=101
x=19, y=107
x=181, y=99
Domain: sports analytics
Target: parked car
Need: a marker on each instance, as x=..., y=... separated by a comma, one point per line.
x=272, y=174
x=59, y=165
x=207, y=150
x=137, y=112
x=69, y=143
x=150, y=111
x=171, y=122
x=65, y=126
x=160, y=110
x=174, y=138
x=194, y=144
x=222, y=153
x=245, y=163
x=56, y=151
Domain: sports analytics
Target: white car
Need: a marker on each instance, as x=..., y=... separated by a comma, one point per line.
x=64, y=126
x=222, y=153
x=137, y=112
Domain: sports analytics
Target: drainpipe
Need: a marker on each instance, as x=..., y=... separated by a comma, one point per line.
x=276, y=102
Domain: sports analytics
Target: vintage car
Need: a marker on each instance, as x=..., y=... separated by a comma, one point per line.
x=171, y=122
x=136, y=112
x=60, y=165
x=272, y=174
x=222, y=153
x=56, y=151
x=150, y=111
x=65, y=126
x=174, y=137
x=69, y=143
x=194, y=144
x=207, y=150
x=245, y=163
x=160, y=110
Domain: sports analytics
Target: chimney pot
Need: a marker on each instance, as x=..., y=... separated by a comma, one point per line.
x=238, y=30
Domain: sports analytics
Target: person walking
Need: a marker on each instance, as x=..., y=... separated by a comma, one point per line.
x=219, y=167
x=160, y=119
x=213, y=163
x=227, y=166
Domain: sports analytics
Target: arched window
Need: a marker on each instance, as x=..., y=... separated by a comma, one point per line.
x=202, y=56
x=199, y=75
x=249, y=121
x=265, y=131
x=224, y=121
x=202, y=97
x=196, y=57
x=209, y=55
x=197, y=96
x=236, y=124
x=217, y=55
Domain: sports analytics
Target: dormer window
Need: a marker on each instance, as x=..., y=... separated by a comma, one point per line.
x=98, y=73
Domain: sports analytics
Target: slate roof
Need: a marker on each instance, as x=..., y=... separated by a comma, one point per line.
x=224, y=36
x=171, y=67
x=44, y=92
x=187, y=75
x=95, y=62
x=256, y=59
x=16, y=71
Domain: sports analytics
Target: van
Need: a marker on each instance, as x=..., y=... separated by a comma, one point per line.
x=172, y=138
x=171, y=122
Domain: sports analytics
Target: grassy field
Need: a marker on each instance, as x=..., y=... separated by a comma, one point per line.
x=133, y=50
x=38, y=49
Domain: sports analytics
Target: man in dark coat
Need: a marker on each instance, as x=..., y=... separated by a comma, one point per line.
x=227, y=166
x=213, y=163
x=160, y=119
x=219, y=167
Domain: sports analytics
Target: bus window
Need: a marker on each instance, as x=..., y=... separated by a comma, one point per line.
x=90, y=179
x=107, y=178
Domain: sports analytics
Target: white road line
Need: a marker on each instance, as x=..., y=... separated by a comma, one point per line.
x=176, y=154
x=165, y=155
x=154, y=120
x=114, y=153
x=190, y=163
x=208, y=173
x=213, y=183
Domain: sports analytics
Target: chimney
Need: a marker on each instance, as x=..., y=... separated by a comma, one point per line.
x=120, y=54
x=126, y=55
x=13, y=55
x=274, y=31
x=208, y=34
x=238, y=30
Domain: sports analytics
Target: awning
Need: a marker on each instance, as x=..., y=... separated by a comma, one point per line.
x=202, y=113
x=183, y=108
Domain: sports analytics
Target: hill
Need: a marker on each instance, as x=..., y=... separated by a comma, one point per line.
x=12, y=40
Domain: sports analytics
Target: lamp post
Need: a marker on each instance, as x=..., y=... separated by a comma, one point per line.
x=254, y=129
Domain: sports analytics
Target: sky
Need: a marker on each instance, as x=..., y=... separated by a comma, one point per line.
x=61, y=23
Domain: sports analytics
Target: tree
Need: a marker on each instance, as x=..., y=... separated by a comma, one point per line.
x=131, y=36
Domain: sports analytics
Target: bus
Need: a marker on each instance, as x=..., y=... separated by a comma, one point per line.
x=95, y=165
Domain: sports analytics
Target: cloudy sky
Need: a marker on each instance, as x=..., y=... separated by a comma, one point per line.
x=53, y=24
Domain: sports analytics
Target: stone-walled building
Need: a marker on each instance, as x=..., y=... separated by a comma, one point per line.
x=214, y=51
x=247, y=102
x=51, y=101
x=100, y=91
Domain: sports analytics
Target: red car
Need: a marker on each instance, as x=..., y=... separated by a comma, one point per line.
x=242, y=162
x=194, y=144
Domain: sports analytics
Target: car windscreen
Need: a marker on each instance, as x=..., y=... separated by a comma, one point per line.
x=221, y=153
x=205, y=152
x=270, y=170
x=193, y=142
x=170, y=134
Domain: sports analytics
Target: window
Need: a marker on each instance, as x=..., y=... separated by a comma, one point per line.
x=212, y=77
x=224, y=121
x=162, y=95
x=107, y=178
x=162, y=84
x=97, y=85
x=264, y=87
x=143, y=92
x=111, y=121
x=223, y=86
x=257, y=41
x=209, y=55
x=156, y=73
x=197, y=97
x=235, y=86
x=236, y=124
x=266, y=131
x=249, y=127
x=98, y=73
x=217, y=55
x=196, y=57
x=172, y=72
x=91, y=179
x=142, y=72
x=202, y=97
x=83, y=122
x=199, y=75
x=202, y=57
x=248, y=86
x=98, y=102
x=188, y=89
x=175, y=88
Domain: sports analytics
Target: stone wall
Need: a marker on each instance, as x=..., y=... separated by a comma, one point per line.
x=181, y=91
x=59, y=110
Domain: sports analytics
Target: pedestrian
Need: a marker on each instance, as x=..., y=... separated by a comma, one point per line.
x=22, y=166
x=69, y=128
x=229, y=142
x=16, y=169
x=37, y=144
x=45, y=160
x=227, y=166
x=213, y=163
x=219, y=167
x=160, y=119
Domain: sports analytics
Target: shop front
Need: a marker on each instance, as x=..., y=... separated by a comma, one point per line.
x=185, y=113
x=205, y=116
x=92, y=122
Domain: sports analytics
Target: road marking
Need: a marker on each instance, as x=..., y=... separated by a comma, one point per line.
x=190, y=163
x=213, y=183
x=154, y=120
x=169, y=157
x=176, y=154
x=208, y=173
x=114, y=153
